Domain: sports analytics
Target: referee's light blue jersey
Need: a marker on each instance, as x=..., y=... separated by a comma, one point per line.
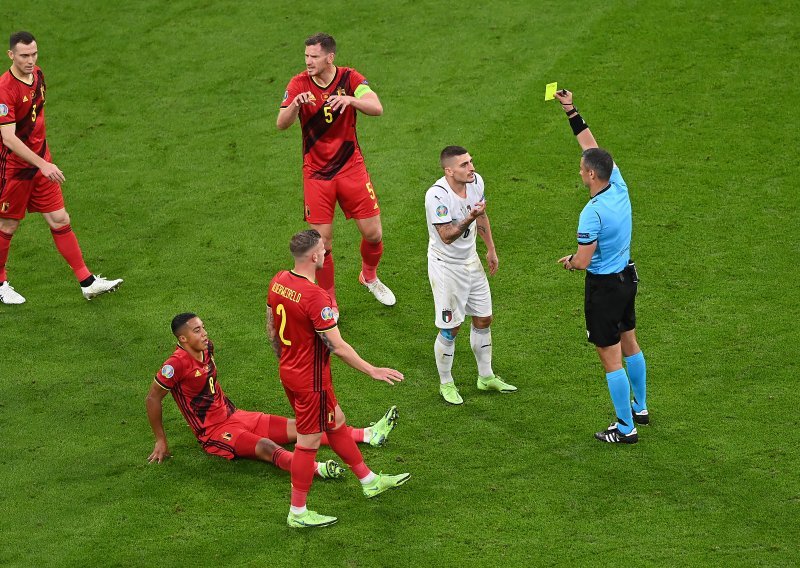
x=607, y=220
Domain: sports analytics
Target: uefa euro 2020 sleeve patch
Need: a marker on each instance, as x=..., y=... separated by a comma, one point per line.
x=168, y=371
x=3, y=110
x=327, y=313
x=441, y=211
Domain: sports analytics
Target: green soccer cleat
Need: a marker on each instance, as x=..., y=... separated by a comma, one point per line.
x=380, y=430
x=330, y=470
x=450, y=394
x=495, y=383
x=383, y=483
x=309, y=519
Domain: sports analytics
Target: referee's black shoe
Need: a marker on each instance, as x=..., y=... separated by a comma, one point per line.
x=612, y=435
x=642, y=417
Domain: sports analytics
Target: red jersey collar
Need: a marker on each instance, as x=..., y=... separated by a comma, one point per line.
x=335, y=75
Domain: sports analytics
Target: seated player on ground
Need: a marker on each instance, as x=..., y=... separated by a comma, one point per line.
x=190, y=375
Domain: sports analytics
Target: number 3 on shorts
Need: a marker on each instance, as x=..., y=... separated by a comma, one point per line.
x=370, y=190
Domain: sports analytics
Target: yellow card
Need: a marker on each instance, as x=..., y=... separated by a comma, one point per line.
x=550, y=90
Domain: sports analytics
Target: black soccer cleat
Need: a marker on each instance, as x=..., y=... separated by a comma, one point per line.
x=612, y=435
x=642, y=417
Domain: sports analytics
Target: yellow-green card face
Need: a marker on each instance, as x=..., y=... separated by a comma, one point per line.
x=550, y=91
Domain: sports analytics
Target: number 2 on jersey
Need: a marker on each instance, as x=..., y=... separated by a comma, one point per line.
x=281, y=311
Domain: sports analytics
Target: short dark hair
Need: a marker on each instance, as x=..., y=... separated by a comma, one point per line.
x=325, y=41
x=180, y=320
x=451, y=152
x=600, y=161
x=303, y=242
x=25, y=38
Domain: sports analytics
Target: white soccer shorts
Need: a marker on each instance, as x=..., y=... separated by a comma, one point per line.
x=459, y=290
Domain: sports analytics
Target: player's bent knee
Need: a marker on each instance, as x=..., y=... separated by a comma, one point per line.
x=482, y=322
x=9, y=226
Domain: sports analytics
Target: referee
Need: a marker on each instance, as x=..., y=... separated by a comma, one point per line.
x=604, y=243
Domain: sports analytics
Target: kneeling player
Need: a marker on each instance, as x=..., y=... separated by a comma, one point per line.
x=190, y=374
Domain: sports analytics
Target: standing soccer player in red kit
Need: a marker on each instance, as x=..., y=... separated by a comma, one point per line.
x=326, y=98
x=303, y=334
x=28, y=179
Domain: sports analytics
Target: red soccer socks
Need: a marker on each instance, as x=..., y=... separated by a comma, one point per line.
x=5, y=244
x=67, y=245
x=371, y=254
x=326, y=279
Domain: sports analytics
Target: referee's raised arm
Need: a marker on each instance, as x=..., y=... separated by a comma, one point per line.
x=579, y=127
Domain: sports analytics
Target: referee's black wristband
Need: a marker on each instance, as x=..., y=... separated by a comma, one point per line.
x=571, y=112
x=577, y=123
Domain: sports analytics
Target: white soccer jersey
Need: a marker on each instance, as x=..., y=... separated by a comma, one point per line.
x=443, y=206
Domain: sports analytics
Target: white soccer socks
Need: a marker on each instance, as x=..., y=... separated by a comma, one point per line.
x=481, y=342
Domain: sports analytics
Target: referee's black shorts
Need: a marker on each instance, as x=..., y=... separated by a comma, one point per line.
x=610, y=305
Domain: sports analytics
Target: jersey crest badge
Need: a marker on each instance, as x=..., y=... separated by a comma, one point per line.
x=3, y=110
x=168, y=371
x=447, y=316
x=441, y=211
x=327, y=313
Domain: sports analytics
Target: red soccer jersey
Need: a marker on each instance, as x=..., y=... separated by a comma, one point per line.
x=23, y=104
x=300, y=309
x=330, y=144
x=197, y=393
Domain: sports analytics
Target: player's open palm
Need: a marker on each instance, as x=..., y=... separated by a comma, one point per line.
x=386, y=375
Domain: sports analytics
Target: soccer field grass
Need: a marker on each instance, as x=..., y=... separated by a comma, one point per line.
x=162, y=117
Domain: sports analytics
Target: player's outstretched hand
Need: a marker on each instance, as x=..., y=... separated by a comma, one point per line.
x=51, y=172
x=564, y=97
x=339, y=102
x=303, y=99
x=160, y=452
x=386, y=375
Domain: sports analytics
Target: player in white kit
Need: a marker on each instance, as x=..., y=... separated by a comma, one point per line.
x=455, y=208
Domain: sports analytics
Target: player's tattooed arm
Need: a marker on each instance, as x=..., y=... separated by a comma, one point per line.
x=338, y=346
x=274, y=340
x=328, y=343
x=450, y=232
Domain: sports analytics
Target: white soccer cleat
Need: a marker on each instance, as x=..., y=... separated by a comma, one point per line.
x=10, y=296
x=379, y=290
x=100, y=286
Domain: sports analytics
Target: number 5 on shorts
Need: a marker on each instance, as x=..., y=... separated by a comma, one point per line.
x=370, y=190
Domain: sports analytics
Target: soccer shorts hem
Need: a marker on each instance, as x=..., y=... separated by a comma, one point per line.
x=353, y=191
x=459, y=290
x=28, y=189
x=314, y=412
